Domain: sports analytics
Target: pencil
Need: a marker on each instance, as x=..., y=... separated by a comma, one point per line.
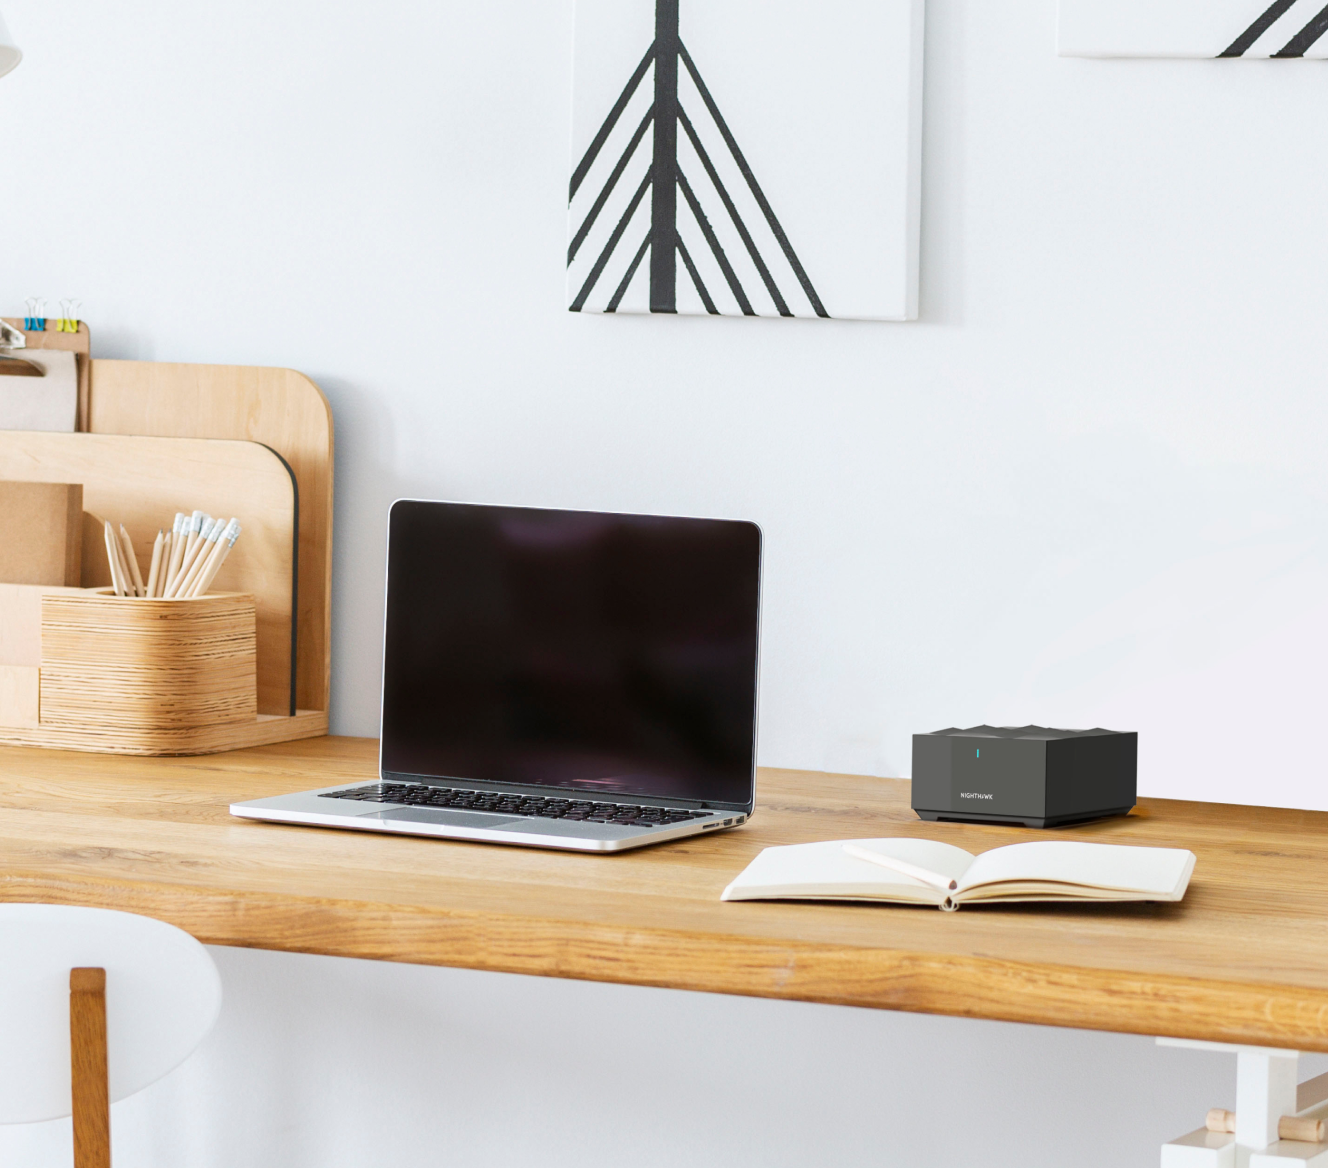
x=131, y=562
x=113, y=559
x=218, y=557
x=191, y=555
x=177, y=551
x=202, y=550
x=205, y=560
x=196, y=524
x=154, y=572
x=110, y=557
x=167, y=550
x=126, y=583
x=189, y=535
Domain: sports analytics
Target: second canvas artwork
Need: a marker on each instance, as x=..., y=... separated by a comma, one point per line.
x=746, y=158
x=1247, y=29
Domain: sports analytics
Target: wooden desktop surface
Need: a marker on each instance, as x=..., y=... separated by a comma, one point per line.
x=1243, y=959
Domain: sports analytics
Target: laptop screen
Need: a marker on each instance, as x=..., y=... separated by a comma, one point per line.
x=571, y=649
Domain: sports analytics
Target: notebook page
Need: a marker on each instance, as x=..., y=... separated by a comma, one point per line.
x=825, y=869
x=1157, y=871
x=943, y=859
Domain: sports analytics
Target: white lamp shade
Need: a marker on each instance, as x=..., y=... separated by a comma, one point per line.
x=10, y=53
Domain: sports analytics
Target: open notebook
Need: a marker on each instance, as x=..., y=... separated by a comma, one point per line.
x=920, y=871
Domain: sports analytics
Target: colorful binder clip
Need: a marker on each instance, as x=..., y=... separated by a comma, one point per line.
x=68, y=322
x=34, y=322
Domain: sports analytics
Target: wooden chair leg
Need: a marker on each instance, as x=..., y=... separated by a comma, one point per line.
x=87, y=1050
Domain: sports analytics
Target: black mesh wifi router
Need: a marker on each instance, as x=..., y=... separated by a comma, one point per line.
x=1030, y=775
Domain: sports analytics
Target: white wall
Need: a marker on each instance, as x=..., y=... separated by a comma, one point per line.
x=1086, y=488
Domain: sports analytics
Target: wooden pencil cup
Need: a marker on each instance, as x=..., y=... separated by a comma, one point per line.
x=147, y=676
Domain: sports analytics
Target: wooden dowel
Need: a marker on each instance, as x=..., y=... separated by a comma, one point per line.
x=1303, y=1128
x=91, y=1097
x=1289, y=1127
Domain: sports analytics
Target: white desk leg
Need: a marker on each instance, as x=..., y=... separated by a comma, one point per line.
x=1265, y=1091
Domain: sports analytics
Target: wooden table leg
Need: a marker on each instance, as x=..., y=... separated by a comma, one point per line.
x=87, y=1050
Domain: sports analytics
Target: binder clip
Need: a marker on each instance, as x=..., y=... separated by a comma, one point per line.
x=34, y=322
x=10, y=366
x=68, y=322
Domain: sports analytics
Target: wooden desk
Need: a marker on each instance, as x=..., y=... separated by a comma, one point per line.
x=1243, y=959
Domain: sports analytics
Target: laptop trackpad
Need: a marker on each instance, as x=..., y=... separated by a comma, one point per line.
x=448, y=818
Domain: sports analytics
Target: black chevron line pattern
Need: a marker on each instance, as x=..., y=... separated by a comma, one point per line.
x=674, y=196
x=1305, y=36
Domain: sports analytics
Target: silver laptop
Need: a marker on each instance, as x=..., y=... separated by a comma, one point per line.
x=559, y=679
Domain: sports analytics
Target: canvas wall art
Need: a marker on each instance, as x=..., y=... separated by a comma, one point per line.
x=746, y=158
x=1285, y=29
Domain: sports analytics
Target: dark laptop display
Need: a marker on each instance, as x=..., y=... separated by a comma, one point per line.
x=575, y=650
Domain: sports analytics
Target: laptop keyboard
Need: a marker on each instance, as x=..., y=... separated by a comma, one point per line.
x=534, y=806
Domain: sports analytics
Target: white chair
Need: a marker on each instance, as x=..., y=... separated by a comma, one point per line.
x=95, y=1005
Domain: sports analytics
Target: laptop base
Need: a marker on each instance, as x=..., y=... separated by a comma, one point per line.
x=324, y=808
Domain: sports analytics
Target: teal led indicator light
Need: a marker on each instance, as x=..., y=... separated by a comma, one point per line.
x=979, y=752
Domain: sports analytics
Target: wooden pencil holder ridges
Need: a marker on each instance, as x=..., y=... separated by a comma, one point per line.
x=124, y=667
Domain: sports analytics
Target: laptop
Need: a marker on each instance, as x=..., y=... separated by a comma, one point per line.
x=558, y=679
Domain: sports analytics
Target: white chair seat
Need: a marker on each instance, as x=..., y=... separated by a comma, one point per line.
x=163, y=994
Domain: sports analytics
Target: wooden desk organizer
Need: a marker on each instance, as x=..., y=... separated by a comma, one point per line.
x=252, y=442
x=124, y=675
x=141, y=482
